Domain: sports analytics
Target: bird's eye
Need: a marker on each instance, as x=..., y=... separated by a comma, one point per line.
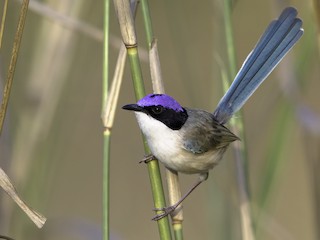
x=157, y=109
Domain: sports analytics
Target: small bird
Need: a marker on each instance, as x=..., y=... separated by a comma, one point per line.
x=193, y=141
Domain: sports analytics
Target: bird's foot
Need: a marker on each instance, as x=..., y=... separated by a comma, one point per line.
x=147, y=158
x=165, y=212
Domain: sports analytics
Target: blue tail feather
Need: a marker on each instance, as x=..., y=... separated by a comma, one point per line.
x=274, y=44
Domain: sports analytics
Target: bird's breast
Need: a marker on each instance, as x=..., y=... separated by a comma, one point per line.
x=167, y=146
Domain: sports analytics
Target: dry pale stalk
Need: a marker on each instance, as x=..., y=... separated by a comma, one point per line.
x=8, y=187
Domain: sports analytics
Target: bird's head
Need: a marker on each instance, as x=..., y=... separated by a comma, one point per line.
x=161, y=107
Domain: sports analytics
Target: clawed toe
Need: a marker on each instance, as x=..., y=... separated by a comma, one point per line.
x=166, y=212
x=147, y=158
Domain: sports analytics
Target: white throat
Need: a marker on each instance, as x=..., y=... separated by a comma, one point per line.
x=162, y=140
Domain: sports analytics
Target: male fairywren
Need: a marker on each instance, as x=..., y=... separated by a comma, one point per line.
x=194, y=141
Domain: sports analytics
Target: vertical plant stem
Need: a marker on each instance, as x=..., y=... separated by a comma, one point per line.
x=136, y=72
x=126, y=23
x=13, y=62
x=231, y=51
x=238, y=128
x=158, y=87
x=147, y=22
x=177, y=230
x=153, y=166
x=106, y=182
x=108, y=115
x=106, y=133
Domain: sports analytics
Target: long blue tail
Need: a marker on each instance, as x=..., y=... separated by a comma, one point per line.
x=277, y=40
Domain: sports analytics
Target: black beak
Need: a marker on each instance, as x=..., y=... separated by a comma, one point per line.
x=133, y=107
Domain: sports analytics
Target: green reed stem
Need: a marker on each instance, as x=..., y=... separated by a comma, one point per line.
x=174, y=192
x=127, y=28
x=153, y=166
x=147, y=22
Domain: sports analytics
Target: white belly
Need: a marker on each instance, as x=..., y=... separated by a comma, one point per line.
x=166, y=145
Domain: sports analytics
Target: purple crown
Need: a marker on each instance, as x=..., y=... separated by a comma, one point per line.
x=160, y=99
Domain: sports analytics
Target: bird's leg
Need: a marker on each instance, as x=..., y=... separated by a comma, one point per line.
x=170, y=209
x=147, y=158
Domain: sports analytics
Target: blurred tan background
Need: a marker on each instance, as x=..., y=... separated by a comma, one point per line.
x=52, y=143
